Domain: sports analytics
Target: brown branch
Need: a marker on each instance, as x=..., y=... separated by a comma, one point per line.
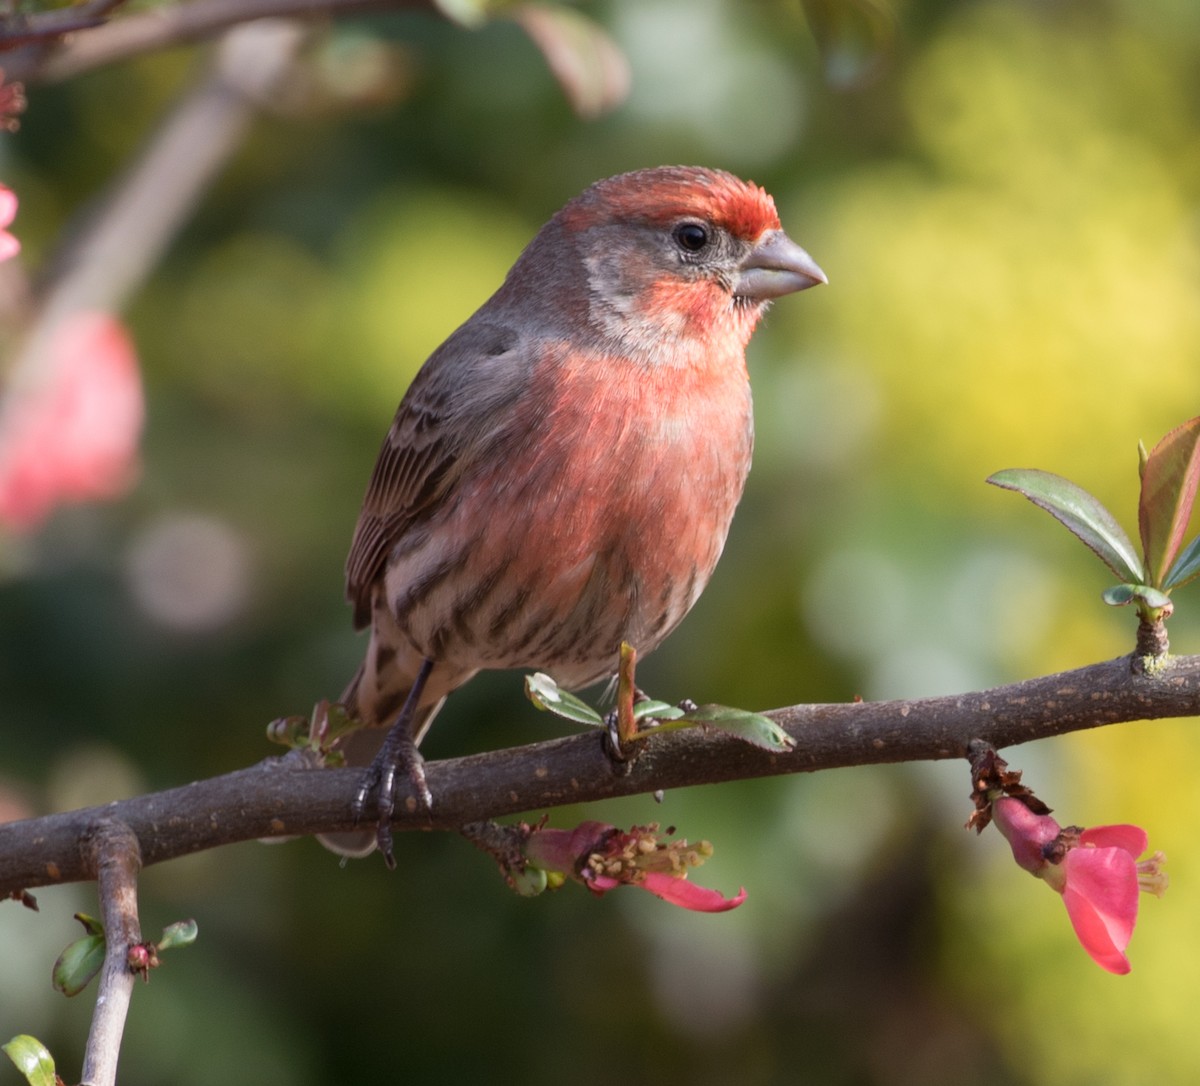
x=24, y=28
x=94, y=45
x=111, y=848
x=284, y=796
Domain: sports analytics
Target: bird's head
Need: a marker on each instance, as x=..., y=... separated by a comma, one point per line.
x=681, y=253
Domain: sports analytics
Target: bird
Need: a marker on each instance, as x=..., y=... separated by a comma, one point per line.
x=561, y=474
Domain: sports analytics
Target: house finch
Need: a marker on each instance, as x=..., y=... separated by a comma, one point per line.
x=561, y=474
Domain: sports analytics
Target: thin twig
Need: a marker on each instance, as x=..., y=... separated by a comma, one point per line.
x=30, y=29
x=37, y=34
x=111, y=849
x=170, y=25
x=108, y=257
x=286, y=797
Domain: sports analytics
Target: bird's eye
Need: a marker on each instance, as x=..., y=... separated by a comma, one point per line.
x=691, y=236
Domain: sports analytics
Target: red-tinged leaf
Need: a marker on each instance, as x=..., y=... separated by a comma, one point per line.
x=32, y=1059
x=1078, y=511
x=1186, y=567
x=1169, y=482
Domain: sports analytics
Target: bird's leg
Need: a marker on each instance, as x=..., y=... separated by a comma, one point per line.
x=399, y=750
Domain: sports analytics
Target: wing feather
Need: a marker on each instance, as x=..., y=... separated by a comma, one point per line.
x=449, y=417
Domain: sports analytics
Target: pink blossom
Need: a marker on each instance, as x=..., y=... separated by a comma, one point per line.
x=9, y=245
x=1096, y=871
x=603, y=857
x=74, y=436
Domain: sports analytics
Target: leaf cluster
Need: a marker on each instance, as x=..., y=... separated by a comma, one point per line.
x=1170, y=475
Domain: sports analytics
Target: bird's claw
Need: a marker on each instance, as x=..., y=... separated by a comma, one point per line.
x=399, y=751
x=617, y=753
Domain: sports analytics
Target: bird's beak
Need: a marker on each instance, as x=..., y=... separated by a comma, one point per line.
x=774, y=267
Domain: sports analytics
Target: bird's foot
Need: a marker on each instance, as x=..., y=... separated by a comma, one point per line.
x=399, y=751
x=618, y=752
x=398, y=755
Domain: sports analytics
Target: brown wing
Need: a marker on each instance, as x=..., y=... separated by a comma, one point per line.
x=448, y=418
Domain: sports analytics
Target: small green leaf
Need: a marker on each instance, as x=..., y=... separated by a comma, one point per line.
x=1080, y=512
x=1170, y=477
x=1122, y=594
x=330, y=722
x=78, y=964
x=1119, y=595
x=753, y=728
x=335, y=722
x=659, y=710
x=91, y=925
x=288, y=731
x=181, y=933
x=32, y=1059
x=546, y=694
x=1186, y=567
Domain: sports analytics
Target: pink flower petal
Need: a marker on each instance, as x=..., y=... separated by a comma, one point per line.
x=687, y=895
x=1131, y=839
x=9, y=246
x=1093, y=934
x=1101, y=897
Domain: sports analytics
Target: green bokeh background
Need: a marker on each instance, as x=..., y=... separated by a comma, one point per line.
x=1007, y=210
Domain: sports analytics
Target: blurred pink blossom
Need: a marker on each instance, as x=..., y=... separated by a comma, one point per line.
x=9, y=245
x=73, y=437
x=1096, y=871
